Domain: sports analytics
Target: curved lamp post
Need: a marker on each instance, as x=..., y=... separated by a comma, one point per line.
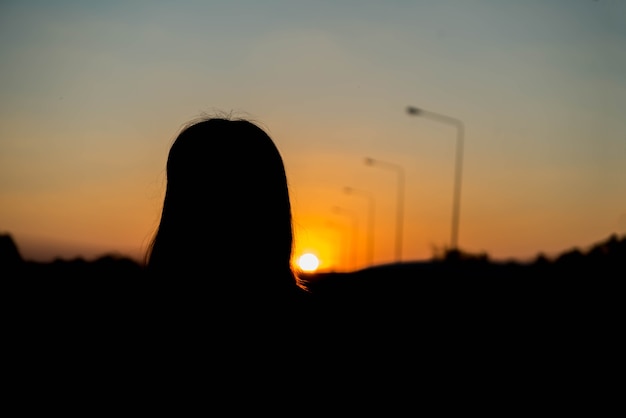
x=456, y=199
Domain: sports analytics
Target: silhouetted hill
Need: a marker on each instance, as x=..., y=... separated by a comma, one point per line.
x=456, y=280
x=576, y=289
x=605, y=259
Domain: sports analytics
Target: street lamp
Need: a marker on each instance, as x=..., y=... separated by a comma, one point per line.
x=456, y=200
x=370, y=232
x=400, y=204
x=351, y=215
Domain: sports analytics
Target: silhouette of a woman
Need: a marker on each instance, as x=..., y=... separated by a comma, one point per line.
x=226, y=220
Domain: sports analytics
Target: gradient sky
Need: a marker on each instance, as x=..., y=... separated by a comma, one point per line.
x=94, y=92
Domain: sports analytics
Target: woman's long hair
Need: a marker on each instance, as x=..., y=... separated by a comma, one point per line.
x=226, y=213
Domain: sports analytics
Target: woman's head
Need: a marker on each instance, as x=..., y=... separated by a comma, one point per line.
x=226, y=201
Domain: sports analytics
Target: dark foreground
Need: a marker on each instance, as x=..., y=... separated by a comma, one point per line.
x=456, y=286
x=447, y=308
x=486, y=332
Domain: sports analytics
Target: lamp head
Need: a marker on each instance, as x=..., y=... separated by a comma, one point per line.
x=412, y=110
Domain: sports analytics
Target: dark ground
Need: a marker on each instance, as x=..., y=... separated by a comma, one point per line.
x=576, y=285
x=462, y=330
x=456, y=278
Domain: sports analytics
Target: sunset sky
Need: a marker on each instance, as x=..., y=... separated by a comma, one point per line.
x=94, y=92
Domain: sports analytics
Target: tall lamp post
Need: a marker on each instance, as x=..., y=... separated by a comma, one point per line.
x=370, y=218
x=456, y=199
x=353, y=217
x=400, y=204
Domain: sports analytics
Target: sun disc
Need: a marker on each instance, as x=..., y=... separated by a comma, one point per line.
x=308, y=262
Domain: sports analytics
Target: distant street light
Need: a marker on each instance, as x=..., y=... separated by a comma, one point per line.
x=456, y=200
x=353, y=217
x=400, y=204
x=370, y=218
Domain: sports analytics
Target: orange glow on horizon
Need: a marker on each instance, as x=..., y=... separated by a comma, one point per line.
x=322, y=244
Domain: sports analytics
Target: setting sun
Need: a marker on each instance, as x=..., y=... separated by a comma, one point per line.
x=308, y=262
